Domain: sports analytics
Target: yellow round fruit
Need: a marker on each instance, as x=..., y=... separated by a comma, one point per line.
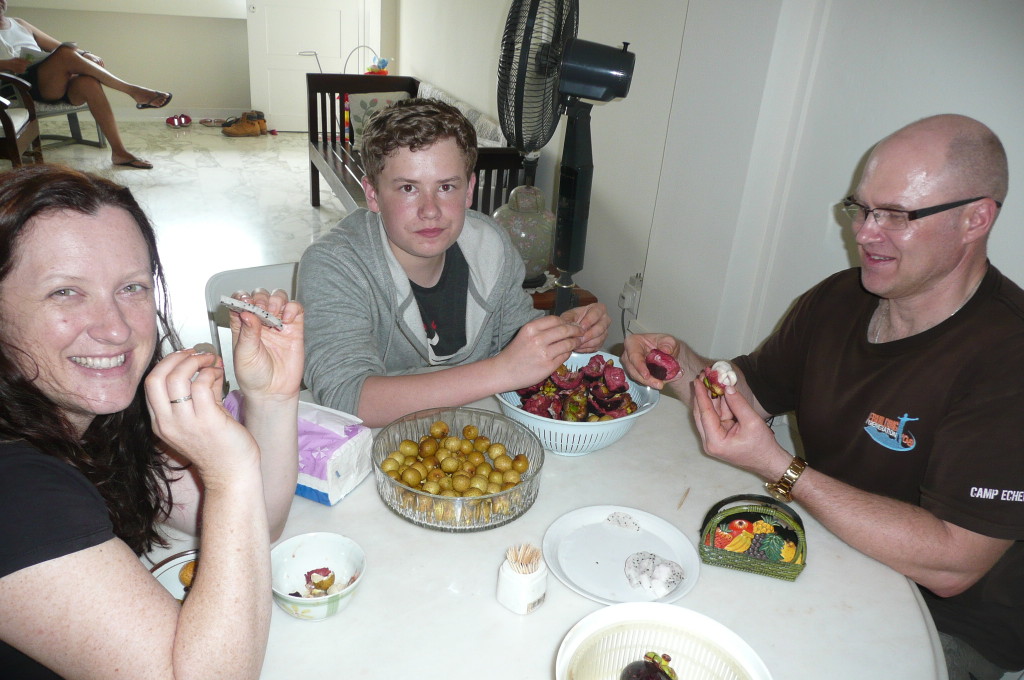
x=460, y=482
x=412, y=476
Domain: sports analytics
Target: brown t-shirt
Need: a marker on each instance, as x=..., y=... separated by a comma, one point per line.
x=933, y=420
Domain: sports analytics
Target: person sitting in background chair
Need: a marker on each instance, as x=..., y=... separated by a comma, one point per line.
x=76, y=76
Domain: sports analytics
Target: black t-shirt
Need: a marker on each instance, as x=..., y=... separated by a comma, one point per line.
x=932, y=419
x=49, y=509
x=443, y=306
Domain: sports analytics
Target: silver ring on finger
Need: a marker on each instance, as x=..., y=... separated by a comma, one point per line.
x=187, y=397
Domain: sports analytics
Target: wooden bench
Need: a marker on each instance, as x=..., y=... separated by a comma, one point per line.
x=333, y=155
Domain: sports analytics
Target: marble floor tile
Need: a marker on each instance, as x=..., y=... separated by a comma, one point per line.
x=217, y=203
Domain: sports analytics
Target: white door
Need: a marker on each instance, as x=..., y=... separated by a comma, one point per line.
x=279, y=30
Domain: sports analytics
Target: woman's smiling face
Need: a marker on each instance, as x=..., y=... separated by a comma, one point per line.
x=77, y=310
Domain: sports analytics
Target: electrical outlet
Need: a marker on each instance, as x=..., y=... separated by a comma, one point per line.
x=629, y=298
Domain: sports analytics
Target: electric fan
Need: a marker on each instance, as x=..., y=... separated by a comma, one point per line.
x=543, y=71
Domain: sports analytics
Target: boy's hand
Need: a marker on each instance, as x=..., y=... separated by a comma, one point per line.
x=540, y=347
x=593, y=319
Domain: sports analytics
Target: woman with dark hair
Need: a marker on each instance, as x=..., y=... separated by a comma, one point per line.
x=102, y=438
x=63, y=72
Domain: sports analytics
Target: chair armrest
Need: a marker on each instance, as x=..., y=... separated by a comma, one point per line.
x=24, y=88
x=6, y=124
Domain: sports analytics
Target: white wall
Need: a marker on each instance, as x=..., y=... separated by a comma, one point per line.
x=716, y=175
x=842, y=74
x=221, y=9
x=724, y=62
x=202, y=60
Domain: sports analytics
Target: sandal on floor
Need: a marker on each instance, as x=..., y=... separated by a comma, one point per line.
x=178, y=121
x=136, y=163
x=211, y=122
x=165, y=96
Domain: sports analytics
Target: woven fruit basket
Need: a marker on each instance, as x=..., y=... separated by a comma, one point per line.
x=756, y=534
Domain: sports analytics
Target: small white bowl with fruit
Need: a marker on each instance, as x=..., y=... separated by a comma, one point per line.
x=315, y=575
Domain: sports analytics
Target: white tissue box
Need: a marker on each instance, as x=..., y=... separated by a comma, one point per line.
x=334, y=450
x=334, y=453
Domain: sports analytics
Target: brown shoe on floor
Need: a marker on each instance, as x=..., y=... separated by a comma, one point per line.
x=246, y=126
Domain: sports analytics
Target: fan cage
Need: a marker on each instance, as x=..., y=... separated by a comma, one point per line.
x=533, y=44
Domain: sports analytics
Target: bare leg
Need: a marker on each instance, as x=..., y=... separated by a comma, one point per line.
x=83, y=89
x=61, y=67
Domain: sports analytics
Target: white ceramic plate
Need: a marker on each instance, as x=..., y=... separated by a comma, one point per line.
x=587, y=552
x=166, y=572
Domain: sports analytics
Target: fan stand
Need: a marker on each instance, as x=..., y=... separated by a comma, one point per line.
x=576, y=178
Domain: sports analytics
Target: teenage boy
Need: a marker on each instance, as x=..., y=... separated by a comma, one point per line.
x=416, y=301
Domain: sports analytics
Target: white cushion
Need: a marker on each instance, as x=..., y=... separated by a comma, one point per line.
x=362, y=106
x=44, y=110
x=488, y=132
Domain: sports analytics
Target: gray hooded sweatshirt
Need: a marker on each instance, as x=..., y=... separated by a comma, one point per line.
x=362, y=318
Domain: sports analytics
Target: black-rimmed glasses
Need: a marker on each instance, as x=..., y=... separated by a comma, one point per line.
x=895, y=220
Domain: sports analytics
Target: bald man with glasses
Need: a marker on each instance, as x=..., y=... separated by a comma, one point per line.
x=906, y=376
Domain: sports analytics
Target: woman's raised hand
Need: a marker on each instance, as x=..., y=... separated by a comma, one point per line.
x=268, y=361
x=183, y=394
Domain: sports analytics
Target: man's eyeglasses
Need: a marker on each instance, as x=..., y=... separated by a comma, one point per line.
x=895, y=220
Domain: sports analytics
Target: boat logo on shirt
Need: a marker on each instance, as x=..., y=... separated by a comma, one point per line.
x=891, y=432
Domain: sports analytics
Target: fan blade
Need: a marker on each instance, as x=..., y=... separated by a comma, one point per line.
x=534, y=40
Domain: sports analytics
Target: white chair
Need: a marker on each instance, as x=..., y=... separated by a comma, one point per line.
x=270, y=276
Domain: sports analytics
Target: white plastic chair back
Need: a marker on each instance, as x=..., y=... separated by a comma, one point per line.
x=270, y=276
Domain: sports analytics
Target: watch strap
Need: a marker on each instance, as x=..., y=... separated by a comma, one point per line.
x=783, y=489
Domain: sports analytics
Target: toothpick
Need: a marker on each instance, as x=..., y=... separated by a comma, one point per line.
x=683, y=499
x=523, y=558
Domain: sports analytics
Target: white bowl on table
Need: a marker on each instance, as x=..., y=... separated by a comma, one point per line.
x=578, y=439
x=603, y=643
x=292, y=558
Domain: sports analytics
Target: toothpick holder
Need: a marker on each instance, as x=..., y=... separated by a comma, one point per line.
x=522, y=593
